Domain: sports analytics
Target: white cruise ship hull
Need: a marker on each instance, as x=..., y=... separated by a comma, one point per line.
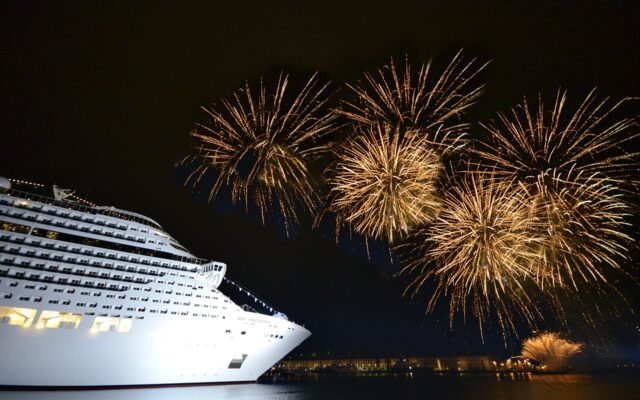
x=99, y=297
x=189, y=353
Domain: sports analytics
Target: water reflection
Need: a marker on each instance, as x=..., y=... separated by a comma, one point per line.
x=379, y=386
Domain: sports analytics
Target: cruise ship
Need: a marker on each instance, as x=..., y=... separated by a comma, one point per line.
x=94, y=296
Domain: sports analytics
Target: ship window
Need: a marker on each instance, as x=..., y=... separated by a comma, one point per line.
x=56, y=319
x=237, y=361
x=111, y=324
x=8, y=226
x=16, y=316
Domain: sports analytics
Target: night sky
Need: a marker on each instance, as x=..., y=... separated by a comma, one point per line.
x=100, y=97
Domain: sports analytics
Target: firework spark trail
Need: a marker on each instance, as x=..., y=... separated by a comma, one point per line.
x=479, y=250
x=527, y=143
x=419, y=98
x=384, y=182
x=409, y=98
x=260, y=146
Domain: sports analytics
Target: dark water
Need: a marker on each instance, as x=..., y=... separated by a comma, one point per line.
x=617, y=386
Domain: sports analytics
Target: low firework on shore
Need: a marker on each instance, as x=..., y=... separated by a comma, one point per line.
x=260, y=144
x=550, y=350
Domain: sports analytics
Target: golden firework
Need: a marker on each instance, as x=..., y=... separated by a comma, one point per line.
x=260, y=145
x=402, y=96
x=529, y=144
x=551, y=350
x=383, y=182
x=577, y=168
x=479, y=252
x=582, y=221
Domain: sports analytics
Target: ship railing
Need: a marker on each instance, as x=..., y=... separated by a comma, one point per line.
x=252, y=296
x=82, y=208
x=246, y=307
x=78, y=207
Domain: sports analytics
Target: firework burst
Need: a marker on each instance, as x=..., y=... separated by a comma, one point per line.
x=575, y=167
x=408, y=97
x=479, y=251
x=528, y=144
x=583, y=223
x=260, y=145
x=383, y=182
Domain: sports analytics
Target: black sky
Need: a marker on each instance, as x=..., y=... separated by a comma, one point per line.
x=100, y=97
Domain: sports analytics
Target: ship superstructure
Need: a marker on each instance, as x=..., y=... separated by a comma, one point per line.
x=98, y=296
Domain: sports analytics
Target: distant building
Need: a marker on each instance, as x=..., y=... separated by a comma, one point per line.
x=390, y=364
